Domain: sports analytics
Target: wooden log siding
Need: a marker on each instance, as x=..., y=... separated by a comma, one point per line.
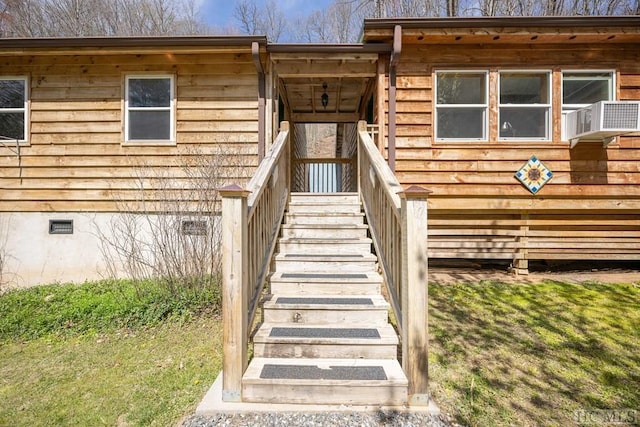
x=589, y=210
x=75, y=160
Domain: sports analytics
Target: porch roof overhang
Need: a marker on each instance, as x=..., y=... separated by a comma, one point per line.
x=506, y=29
x=347, y=70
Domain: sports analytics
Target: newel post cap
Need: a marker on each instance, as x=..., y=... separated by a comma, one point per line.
x=233, y=190
x=414, y=192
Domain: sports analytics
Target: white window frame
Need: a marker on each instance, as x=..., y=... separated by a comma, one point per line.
x=485, y=106
x=567, y=108
x=24, y=110
x=548, y=105
x=171, y=108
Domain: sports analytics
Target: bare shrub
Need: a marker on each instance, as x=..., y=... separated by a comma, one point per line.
x=170, y=231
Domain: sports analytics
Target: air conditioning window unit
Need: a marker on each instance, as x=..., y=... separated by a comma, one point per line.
x=603, y=121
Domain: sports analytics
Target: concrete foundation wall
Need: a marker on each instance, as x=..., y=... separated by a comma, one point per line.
x=34, y=256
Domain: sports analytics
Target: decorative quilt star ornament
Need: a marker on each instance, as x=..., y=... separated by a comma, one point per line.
x=534, y=174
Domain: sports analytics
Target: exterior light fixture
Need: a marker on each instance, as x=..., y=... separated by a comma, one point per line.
x=324, y=98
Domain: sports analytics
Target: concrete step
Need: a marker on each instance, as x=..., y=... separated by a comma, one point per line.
x=336, y=283
x=326, y=218
x=300, y=263
x=325, y=381
x=318, y=246
x=327, y=309
x=323, y=231
x=294, y=340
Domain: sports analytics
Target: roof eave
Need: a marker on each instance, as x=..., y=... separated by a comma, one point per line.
x=124, y=43
x=503, y=22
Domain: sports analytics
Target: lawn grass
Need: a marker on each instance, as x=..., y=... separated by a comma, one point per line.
x=151, y=376
x=95, y=354
x=100, y=306
x=533, y=354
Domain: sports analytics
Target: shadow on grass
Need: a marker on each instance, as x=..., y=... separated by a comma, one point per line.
x=533, y=354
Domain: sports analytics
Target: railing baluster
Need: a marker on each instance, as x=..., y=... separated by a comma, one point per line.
x=320, y=175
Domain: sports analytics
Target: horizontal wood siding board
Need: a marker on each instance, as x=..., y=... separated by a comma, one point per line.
x=133, y=205
x=70, y=173
x=215, y=59
x=561, y=205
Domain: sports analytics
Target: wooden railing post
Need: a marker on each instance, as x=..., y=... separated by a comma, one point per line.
x=414, y=293
x=234, y=290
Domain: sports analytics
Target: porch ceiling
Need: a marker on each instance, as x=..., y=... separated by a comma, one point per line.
x=348, y=79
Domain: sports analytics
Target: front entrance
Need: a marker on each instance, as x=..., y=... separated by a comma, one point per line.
x=323, y=94
x=324, y=156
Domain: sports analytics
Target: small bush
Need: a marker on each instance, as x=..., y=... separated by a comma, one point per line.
x=100, y=306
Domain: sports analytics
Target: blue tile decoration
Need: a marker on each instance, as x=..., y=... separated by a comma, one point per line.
x=534, y=175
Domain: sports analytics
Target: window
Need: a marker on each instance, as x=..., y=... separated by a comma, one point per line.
x=461, y=105
x=149, y=108
x=524, y=105
x=13, y=108
x=582, y=88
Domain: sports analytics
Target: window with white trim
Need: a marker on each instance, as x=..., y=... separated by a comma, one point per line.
x=13, y=108
x=149, y=106
x=461, y=105
x=524, y=105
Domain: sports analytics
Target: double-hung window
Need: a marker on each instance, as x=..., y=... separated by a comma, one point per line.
x=13, y=108
x=524, y=104
x=461, y=105
x=149, y=106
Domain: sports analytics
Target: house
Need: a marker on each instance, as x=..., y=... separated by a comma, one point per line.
x=495, y=117
x=66, y=102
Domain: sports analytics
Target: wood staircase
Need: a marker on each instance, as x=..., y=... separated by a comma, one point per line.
x=325, y=336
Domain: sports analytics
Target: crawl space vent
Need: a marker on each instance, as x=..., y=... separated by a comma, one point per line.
x=60, y=226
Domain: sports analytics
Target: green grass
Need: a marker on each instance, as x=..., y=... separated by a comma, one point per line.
x=106, y=353
x=532, y=354
x=98, y=307
x=153, y=376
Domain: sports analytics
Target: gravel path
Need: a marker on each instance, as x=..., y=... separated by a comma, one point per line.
x=387, y=419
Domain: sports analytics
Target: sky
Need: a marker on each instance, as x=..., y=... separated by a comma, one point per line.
x=219, y=13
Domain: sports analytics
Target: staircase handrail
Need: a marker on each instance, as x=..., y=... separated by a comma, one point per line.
x=379, y=190
x=269, y=189
x=251, y=219
x=397, y=220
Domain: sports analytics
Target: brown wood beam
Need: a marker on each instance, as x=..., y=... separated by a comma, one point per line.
x=324, y=117
x=326, y=69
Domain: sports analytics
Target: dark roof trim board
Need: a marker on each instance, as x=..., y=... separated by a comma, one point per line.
x=504, y=22
x=329, y=48
x=132, y=42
